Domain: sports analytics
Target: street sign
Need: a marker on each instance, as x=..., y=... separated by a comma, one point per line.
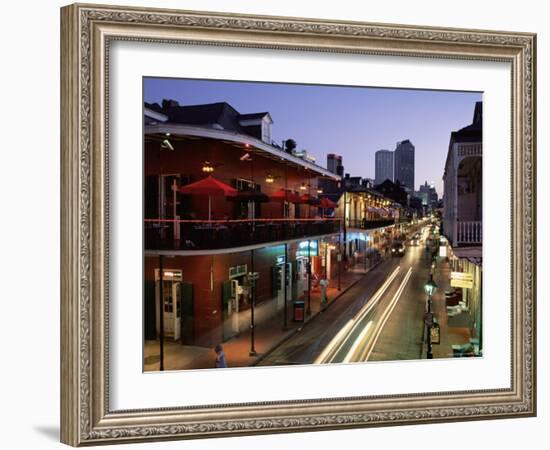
x=435, y=333
x=462, y=280
x=461, y=284
x=466, y=276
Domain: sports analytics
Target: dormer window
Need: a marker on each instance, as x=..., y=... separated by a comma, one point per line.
x=257, y=125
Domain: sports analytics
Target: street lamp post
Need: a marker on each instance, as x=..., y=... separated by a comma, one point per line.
x=345, y=237
x=339, y=258
x=285, y=228
x=161, y=313
x=308, y=310
x=365, y=257
x=285, y=284
x=252, y=277
x=430, y=288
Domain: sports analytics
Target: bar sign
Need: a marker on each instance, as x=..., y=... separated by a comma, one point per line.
x=462, y=280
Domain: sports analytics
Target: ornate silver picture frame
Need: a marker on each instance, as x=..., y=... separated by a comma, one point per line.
x=87, y=32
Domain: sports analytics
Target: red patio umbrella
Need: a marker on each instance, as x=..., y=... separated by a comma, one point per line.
x=209, y=186
x=306, y=198
x=327, y=203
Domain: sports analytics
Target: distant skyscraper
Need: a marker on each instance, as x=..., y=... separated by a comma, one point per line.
x=404, y=164
x=334, y=164
x=383, y=166
x=428, y=195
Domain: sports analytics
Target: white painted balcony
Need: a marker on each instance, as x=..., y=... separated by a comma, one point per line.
x=469, y=233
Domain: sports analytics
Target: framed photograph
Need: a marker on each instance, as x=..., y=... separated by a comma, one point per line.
x=279, y=224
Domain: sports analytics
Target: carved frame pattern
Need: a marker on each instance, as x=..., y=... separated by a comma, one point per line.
x=86, y=34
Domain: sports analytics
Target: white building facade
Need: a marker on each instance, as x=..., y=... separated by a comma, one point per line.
x=463, y=226
x=462, y=201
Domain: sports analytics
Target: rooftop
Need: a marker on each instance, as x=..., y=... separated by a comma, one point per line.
x=219, y=121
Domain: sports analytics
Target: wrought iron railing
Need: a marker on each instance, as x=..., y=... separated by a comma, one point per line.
x=469, y=232
x=167, y=234
x=370, y=224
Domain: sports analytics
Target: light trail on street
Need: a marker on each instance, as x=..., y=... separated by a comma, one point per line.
x=387, y=314
x=380, y=318
x=356, y=341
x=336, y=345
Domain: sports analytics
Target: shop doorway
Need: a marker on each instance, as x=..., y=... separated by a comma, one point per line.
x=301, y=275
x=171, y=302
x=235, y=297
x=178, y=308
x=280, y=271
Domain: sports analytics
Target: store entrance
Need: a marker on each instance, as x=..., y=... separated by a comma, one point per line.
x=283, y=270
x=235, y=297
x=301, y=275
x=171, y=301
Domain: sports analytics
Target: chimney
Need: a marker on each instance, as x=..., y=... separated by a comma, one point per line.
x=169, y=103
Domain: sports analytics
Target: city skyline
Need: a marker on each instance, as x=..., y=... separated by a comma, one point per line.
x=365, y=119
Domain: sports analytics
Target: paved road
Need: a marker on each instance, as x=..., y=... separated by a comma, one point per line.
x=402, y=334
x=379, y=318
x=306, y=346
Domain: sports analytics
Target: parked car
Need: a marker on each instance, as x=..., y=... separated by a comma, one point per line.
x=398, y=249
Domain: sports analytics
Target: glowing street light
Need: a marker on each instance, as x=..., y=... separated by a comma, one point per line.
x=430, y=287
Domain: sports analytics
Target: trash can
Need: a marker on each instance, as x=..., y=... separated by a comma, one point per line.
x=299, y=309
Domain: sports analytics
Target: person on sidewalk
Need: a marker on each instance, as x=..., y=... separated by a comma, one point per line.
x=324, y=285
x=220, y=357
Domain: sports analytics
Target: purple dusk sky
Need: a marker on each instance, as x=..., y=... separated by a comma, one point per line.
x=353, y=122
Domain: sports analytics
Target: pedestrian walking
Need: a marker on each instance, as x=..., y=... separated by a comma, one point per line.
x=324, y=285
x=220, y=357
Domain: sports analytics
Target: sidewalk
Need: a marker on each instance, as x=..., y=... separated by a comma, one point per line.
x=269, y=331
x=449, y=335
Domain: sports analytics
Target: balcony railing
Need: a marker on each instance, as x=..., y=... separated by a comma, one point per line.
x=222, y=234
x=470, y=233
x=474, y=149
x=370, y=224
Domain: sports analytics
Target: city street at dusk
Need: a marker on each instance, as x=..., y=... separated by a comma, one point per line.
x=269, y=241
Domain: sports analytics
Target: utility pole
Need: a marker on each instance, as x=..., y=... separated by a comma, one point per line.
x=252, y=277
x=345, y=226
x=308, y=277
x=285, y=284
x=161, y=312
x=339, y=257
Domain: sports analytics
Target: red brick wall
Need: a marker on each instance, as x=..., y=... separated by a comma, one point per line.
x=207, y=301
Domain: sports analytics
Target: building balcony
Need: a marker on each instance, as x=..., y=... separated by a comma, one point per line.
x=370, y=224
x=469, y=233
x=224, y=234
x=470, y=149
